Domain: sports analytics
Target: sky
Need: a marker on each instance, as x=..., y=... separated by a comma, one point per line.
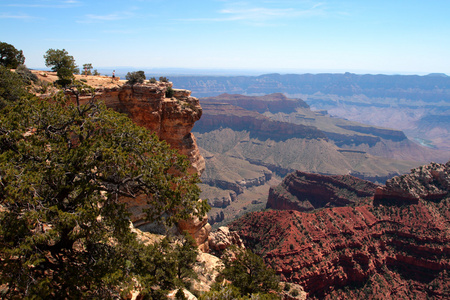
x=284, y=36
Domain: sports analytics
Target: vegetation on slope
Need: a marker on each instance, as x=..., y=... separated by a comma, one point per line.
x=63, y=169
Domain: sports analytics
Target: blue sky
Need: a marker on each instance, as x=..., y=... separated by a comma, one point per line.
x=361, y=36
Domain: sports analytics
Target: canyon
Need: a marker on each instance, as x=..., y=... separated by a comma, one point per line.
x=325, y=227
x=417, y=105
x=245, y=138
x=391, y=244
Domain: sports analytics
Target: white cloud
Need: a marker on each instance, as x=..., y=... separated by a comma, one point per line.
x=19, y=17
x=260, y=15
x=48, y=4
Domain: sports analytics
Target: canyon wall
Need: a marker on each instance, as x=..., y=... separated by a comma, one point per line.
x=172, y=119
x=397, y=247
x=303, y=191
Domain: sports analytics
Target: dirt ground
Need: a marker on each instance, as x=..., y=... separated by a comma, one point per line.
x=94, y=81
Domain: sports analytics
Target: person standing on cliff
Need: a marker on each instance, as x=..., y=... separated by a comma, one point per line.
x=114, y=74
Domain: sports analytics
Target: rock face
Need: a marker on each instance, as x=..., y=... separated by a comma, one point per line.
x=303, y=191
x=172, y=119
x=216, y=218
x=237, y=118
x=390, y=250
x=199, y=229
x=223, y=238
x=430, y=182
x=275, y=103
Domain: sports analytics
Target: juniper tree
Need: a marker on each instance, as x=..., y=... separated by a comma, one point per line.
x=63, y=64
x=10, y=57
x=64, y=172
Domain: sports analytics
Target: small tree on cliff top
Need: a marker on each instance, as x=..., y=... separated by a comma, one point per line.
x=63, y=64
x=135, y=77
x=64, y=233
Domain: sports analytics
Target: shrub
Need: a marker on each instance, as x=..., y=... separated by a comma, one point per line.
x=26, y=74
x=169, y=92
x=163, y=79
x=135, y=77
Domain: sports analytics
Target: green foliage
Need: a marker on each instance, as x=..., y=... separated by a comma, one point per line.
x=163, y=79
x=26, y=74
x=226, y=292
x=185, y=256
x=248, y=272
x=96, y=73
x=87, y=69
x=169, y=92
x=63, y=64
x=152, y=80
x=10, y=57
x=135, y=77
x=65, y=170
x=12, y=88
x=230, y=292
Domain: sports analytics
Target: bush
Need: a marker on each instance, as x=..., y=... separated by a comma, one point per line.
x=163, y=79
x=169, y=92
x=152, y=80
x=249, y=273
x=135, y=77
x=26, y=74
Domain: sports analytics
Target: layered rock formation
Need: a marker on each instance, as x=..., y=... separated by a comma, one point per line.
x=303, y=191
x=430, y=182
x=274, y=102
x=172, y=119
x=234, y=117
x=390, y=250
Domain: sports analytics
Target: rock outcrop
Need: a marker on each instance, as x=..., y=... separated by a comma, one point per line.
x=303, y=191
x=216, y=218
x=199, y=229
x=390, y=250
x=430, y=182
x=171, y=119
x=223, y=238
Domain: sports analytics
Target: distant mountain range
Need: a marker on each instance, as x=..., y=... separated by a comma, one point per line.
x=417, y=105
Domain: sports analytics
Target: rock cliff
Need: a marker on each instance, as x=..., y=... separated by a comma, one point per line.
x=430, y=182
x=237, y=118
x=303, y=191
x=274, y=102
x=390, y=250
x=172, y=119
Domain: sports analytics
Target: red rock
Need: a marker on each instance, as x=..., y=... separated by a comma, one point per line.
x=303, y=191
x=388, y=250
x=172, y=120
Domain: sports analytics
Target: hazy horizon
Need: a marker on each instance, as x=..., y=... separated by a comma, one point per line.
x=286, y=36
